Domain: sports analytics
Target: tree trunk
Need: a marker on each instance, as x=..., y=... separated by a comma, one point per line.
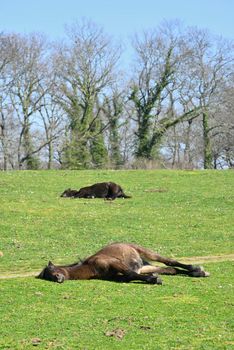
x=4, y=148
x=207, y=144
x=187, y=149
x=50, y=156
x=143, y=141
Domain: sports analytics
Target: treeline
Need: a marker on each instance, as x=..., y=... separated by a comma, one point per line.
x=73, y=104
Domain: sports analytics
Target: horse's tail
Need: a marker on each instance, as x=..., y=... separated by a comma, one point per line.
x=126, y=196
x=122, y=194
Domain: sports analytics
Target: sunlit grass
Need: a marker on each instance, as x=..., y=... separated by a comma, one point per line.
x=191, y=216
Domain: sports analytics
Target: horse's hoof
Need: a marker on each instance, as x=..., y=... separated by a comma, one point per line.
x=206, y=274
x=154, y=280
x=195, y=268
x=159, y=280
x=199, y=272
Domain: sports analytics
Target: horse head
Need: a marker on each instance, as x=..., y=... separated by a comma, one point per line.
x=66, y=193
x=52, y=273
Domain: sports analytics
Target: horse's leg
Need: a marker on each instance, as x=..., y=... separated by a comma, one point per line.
x=104, y=193
x=195, y=271
x=164, y=270
x=111, y=194
x=128, y=276
x=111, y=268
x=115, y=191
x=131, y=275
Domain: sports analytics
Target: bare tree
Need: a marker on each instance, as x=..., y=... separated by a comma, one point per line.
x=53, y=124
x=86, y=69
x=27, y=92
x=7, y=122
x=209, y=67
x=223, y=132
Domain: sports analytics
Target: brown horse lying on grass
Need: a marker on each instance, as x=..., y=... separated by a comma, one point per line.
x=121, y=262
x=107, y=190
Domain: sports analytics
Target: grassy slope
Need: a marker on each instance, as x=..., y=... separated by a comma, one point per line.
x=194, y=217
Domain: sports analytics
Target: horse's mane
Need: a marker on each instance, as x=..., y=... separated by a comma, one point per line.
x=77, y=263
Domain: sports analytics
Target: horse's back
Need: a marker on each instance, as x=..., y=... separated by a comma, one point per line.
x=124, y=252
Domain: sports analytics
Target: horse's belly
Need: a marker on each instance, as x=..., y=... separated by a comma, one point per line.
x=136, y=264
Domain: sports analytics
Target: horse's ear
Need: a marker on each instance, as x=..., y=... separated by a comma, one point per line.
x=50, y=266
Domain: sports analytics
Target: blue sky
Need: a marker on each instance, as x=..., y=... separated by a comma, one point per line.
x=119, y=18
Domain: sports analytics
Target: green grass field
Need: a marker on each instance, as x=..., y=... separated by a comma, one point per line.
x=192, y=216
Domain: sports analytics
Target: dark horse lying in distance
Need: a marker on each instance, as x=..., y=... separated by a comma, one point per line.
x=121, y=262
x=107, y=190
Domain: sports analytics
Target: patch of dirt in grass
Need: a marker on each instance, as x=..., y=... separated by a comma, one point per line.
x=156, y=190
x=18, y=275
x=117, y=333
x=208, y=258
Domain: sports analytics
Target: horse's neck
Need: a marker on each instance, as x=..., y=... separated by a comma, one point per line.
x=80, y=272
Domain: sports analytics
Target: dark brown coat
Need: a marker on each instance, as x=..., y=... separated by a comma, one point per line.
x=120, y=262
x=107, y=190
